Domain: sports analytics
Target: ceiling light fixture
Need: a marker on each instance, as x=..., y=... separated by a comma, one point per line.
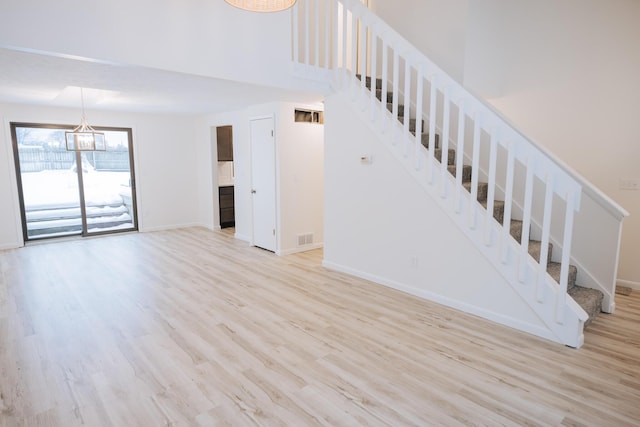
x=262, y=5
x=84, y=137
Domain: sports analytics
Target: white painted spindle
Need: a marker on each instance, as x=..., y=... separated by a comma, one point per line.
x=546, y=230
x=444, y=157
x=385, y=79
x=475, y=167
x=407, y=104
x=460, y=156
x=431, y=144
x=508, y=201
x=417, y=148
x=295, y=11
x=526, y=219
x=396, y=94
x=374, y=72
x=566, y=256
x=491, y=190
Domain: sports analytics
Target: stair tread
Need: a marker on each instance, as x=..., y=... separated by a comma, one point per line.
x=589, y=299
x=553, y=268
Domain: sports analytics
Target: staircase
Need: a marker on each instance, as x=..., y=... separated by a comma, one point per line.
x=589, y=299
x=515, y=202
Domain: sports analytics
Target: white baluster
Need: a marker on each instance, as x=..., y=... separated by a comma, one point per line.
x=327, y=27
x=566, y=257
x=508, y=201
x=407, y=105
x=385, y=79
x=374, y=75
x=354, y=53
x=546, y=229
x=317, y=34
x=444, y=157
x=460, y=156
x=296, y=33
x=307, y=39
x=475, y=167
x=526, y=220
x=491, y=190
x=431, y=148
x=417, y=148
x=396, y=94
x=362, y=53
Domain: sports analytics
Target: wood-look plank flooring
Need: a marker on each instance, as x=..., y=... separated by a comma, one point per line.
x=194, y=328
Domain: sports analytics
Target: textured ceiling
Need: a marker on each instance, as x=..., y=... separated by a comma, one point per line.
x=32, y=78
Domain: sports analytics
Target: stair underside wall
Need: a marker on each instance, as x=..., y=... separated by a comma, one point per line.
x=381, y=225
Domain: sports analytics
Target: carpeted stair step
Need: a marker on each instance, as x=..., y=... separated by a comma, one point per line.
x=451, y=160
x=516, y=229
x=553, y=268
x=412, y=124
x=589, y=299
x=466, y=169
x=483, y=188
x=367, y=81
x=400, y=109
x=425, y=139
x=535, y=247
x=389, y=96
x=498, y=209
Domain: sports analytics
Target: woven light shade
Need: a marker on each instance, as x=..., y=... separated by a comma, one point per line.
x=262, y=5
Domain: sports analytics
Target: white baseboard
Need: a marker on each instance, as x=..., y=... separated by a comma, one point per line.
x=301, y=249
x=8, y=246
x=168, y=227
x=629, y=284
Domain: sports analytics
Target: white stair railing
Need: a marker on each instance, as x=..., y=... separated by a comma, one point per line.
x=341, y=40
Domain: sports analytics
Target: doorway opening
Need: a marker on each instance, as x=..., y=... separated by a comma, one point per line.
x=226, y=197
x=66, y=193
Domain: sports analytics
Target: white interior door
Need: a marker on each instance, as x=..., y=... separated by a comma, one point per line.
x=263, y=183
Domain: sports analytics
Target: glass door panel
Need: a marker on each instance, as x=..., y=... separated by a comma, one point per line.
x=50, y=191
x=60, y=199
x=108, y=185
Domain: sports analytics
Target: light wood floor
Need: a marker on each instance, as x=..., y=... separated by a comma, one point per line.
x=191, y=327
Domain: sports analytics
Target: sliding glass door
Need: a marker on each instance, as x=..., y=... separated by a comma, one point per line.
x=66, y=193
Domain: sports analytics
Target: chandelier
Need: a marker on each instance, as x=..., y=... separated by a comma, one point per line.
x=84, y=137
x=262, y=5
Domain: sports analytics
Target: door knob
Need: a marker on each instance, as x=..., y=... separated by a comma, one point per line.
x=253, y=191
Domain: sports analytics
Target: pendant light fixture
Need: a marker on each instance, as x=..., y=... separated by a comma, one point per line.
x=262, y=5
x=84, y=137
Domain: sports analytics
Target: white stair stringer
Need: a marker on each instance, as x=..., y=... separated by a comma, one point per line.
x=565, y=324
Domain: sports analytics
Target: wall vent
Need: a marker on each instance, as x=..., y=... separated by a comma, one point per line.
x=305, y=239
x=308, y=116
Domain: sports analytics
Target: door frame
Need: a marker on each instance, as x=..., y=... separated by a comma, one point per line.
x=272, y=117
x=19, y=188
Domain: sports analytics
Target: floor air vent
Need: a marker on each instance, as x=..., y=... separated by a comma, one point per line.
x=305, y=239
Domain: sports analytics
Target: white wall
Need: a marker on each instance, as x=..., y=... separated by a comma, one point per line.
x=301, y=170
x=570, y=81
x=381, y=225
x=164, y=159
x=300, y=173
x=209, y=38
x=436, y=27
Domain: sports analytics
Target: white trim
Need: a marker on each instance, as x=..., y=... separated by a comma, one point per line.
x=629, y=284
x=168, y=227
x=304, y=248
